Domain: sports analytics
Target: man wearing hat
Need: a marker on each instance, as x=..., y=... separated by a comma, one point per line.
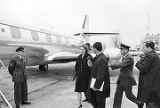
x=17, y=68
x=126, y=79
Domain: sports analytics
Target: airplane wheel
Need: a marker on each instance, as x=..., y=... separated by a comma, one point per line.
x=43, y=67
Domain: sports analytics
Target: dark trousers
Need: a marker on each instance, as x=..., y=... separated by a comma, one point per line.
x=153, y=100
x=98, y=99
x=20, y=92
x=119, y=94
x=85, y=94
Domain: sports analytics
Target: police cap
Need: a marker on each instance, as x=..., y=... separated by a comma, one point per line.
x=20, y=49
x=124, y=46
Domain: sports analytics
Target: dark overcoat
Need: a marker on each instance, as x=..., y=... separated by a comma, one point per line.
x=126, y=71
x=82, y=73
x=149, y=75
x=101, y=73
x=17, y=68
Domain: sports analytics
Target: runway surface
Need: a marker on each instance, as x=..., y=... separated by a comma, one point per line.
x=55, y=88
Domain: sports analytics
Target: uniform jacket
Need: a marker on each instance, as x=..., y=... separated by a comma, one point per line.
x=17, y=68
x=149, y=68
x=101, y=73
x=126, y=71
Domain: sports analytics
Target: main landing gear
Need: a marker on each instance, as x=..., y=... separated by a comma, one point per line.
x=43, y=67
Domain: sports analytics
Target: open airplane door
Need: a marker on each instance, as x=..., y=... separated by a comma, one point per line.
x=3, y=100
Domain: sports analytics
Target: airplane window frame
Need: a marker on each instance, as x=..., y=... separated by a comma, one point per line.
x=58, y=38
x=34, y=35
x=2, y=30
x=48, y=38
x=15, y=32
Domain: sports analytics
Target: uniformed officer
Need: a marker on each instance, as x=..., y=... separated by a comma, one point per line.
x=126, y=79
x=17, y=68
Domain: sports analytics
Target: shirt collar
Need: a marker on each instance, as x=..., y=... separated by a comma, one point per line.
x=125, y=55
x=97, y=56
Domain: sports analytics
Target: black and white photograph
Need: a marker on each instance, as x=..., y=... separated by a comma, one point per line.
x=79, y=54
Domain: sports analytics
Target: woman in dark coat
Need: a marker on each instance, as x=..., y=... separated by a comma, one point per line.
x=82, y=73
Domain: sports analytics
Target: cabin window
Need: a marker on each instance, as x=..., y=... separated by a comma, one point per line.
x=67, y=41
x=2, y=30
x=63, y=40
x=15, y=32
x=48, y=38
x=59, y=41
x=35, y=36
x=54, y=38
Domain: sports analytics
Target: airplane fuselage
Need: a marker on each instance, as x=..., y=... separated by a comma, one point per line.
x=41, y=47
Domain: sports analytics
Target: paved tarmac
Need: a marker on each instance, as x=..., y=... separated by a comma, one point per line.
x=55, y=88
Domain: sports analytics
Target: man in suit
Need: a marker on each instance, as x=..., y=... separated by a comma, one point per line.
x=126, y=79
x=99, y=72
x=17, y=68
x=149, y=78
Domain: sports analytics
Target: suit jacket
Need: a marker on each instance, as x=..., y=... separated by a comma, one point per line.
x=126, y=71
x=149, y=68
x=17, y=68
x=101, y=73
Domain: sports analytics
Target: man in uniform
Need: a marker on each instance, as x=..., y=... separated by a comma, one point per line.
x=126, y=79
x=17, y=68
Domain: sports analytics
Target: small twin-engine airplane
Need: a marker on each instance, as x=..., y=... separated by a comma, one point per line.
x=42, y=48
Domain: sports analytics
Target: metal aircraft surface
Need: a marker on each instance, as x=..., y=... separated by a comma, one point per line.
x=111, y=41
x=42, y=48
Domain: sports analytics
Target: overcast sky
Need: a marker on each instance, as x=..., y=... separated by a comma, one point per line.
x=129, y=17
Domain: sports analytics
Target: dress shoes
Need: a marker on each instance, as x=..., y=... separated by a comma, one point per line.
x=17, y=106
x=140, y=104
x=25, y=103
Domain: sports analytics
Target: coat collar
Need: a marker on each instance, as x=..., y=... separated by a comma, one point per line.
x=97, y=56
x=125, y=55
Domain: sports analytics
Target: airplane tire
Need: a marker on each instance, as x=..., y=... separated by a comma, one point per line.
x=43, y=67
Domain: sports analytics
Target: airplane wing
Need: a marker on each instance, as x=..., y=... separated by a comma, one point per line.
x=62, y=57
x=139, y=53
x=93, y=34
x=135, y=53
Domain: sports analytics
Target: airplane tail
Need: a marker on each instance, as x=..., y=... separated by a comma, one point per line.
x=85, y=27
x=85, y=34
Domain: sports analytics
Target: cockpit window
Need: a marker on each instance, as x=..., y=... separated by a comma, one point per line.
x=35, y=36
x=15, y=32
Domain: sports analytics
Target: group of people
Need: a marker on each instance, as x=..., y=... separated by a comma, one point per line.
x=92, y=77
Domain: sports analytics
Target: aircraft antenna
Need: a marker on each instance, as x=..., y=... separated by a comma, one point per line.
x=148, y=24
